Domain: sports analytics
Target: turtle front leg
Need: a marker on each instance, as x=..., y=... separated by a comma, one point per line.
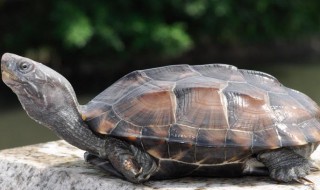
x=135, y=165
x=285, y=165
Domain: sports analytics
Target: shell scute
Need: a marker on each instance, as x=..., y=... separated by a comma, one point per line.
x=311, y=129
x=265, y=139
x=181, y=142
x=220, y=71
x=155, y=140
x=237, y=154
x=236, y=138
x=238, y=145
x=211, y=137
x=248, y=108
x=182, y=134
x=102, y=119
x=170, y=73
x=182, y=151
x=120, y=88
x=263, y=80
x=290, y=134
x=305, y=101
x=147, y=105
x=209, y=140
x=200, y=107
x=290, y=114
x=288, y=110
x=127, y=131
x=210, y=155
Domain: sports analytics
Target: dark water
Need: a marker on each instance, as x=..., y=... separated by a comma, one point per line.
x=17, y=129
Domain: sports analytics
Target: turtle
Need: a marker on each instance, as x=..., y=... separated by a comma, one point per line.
x=212, y=120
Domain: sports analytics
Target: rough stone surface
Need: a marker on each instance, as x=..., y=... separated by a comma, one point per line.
x=58, y=165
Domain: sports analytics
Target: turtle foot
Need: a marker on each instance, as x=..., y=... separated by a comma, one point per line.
x=292, y=173
x=102, y=164
x=135, y=165
x=285, y=165
x=148, y=165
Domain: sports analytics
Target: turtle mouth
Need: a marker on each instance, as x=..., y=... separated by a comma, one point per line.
x=9, y=78
x=6, y=75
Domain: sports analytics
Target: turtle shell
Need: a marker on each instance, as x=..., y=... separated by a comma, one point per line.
x=185, y=113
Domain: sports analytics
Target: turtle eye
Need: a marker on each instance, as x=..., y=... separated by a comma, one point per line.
x=25, y=67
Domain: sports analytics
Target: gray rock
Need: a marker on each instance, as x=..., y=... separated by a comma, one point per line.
x=58, y=165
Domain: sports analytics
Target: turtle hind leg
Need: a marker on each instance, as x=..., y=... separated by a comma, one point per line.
x=285, y=165
x=103, y=164
x=253, y=167
x=135, y=165
x=145, y=160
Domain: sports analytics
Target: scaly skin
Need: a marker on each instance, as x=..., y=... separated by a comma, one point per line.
x=49, y=99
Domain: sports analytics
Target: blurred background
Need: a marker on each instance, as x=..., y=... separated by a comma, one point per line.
x=93, y=43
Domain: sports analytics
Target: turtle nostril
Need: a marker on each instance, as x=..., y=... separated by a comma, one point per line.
x=2, y=66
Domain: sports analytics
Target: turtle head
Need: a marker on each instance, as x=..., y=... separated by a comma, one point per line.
x=49, y=99
x=44, y=94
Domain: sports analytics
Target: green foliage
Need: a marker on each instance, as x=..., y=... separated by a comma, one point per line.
x=172, y=39
x=72, y=25
x=166, y=28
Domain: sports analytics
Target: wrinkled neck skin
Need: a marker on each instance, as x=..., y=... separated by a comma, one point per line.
x=59, y=111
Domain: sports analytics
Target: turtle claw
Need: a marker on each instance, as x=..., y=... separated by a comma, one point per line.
x=145, y=174
x=314, y=167
x=141, y=177
x=103, y=164
x=137, y=177
x=304, y=181
x=138, y=173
